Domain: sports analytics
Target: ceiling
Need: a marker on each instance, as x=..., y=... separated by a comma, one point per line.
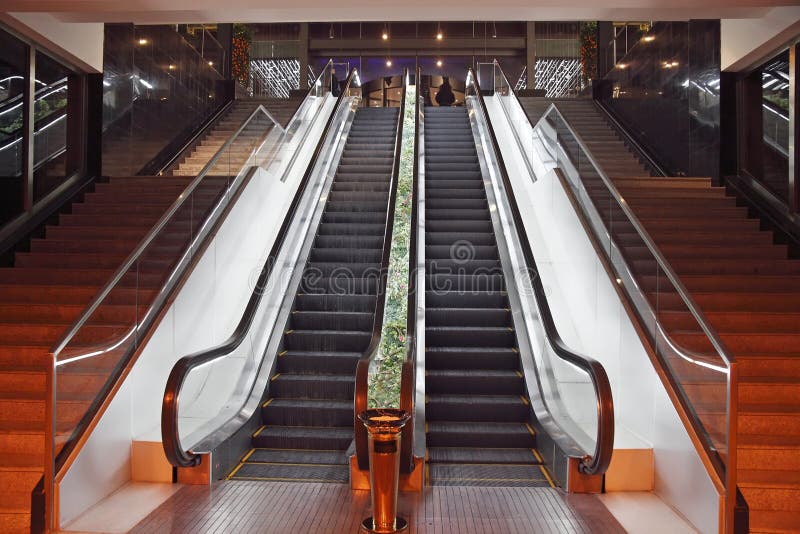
x=201, y=11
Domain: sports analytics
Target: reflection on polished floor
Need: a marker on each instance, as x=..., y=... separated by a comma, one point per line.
x=284, y=507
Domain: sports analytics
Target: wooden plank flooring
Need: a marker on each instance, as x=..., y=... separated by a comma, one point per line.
x=283, y=507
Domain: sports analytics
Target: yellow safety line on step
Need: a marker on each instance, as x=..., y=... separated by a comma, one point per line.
x=538, y=456
x=514, y=350
x=259, y=430
x=235, y=470
x=248, y=455
x=524, y=400
x=288, y=331
x=265, y=479
x=547, y=476
x=519, y=374
x=267, y=403
x=528, y=426
x=274, y=377
x=282, y=352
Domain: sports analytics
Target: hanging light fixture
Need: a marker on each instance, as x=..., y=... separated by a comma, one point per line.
x=439, y=63
x=330, y=32
x=439, y=33
x=494, y=30
x=385, y=33
x=388, y=62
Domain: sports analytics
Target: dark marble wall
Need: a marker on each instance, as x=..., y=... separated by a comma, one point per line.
x=157, y=89
x=666, y=93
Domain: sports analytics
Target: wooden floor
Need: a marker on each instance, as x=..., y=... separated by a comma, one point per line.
x=284, y=507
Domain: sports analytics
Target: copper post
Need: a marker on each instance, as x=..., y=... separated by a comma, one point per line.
x=384, y=426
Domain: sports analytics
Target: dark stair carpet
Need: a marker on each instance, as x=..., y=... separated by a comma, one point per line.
x=476, y=410
x=308, y=417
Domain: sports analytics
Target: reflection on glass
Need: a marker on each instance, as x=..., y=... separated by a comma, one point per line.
x=775, y=116
x=12, y=83
x=50, y=126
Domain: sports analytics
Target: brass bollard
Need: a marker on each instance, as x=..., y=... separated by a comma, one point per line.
x=384, y=427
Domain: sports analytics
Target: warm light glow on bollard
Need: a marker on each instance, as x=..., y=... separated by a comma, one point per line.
x=383, y=427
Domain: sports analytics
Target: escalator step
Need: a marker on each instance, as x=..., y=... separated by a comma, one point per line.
x=469, y=336
x=309, y=320
x=492, y=475
x=307, y=412
x=292, y=456
x=463, y=455
x=299, y=437
x=293, y=473
x=490, y=408
x=341, y=284
x=465, y=282
x=471, y=358
x=467, y=317
x=312, y=386
x=477, y=381
x=483, y=434
x=327, y=340
x=315, y=362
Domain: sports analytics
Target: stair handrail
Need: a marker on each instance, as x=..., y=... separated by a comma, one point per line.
x=367, y=356
x=591, y=464
x=725, y=475
x=174, y=450
x=408, y=376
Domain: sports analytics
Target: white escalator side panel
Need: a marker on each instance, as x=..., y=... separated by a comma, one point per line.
x=592, y=320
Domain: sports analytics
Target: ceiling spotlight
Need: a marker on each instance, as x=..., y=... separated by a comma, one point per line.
x=439, y=35
x=330, y=32
x=384, y=36
x=622, y=66
x=649, y=38
x=438, y=62
x=388, y=62
x=173, y=67
x=142, y=41
x=210, y=63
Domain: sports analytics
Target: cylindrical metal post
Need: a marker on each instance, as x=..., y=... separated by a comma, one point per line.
x=384, y=426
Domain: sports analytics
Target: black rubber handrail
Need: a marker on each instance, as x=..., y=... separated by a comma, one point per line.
x=598, y=462
x=362, y=368
x=175, y=453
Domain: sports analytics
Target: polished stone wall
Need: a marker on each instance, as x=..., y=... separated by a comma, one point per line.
x=157, y=89
x=665, y=91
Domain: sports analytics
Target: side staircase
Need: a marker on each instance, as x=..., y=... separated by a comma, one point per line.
x=749, y=290
x=249, y=139
x=44, y=293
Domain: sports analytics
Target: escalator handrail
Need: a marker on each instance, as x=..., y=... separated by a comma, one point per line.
x=362, y=368
x=663, y=263
x=598, y=462
x=170, y=434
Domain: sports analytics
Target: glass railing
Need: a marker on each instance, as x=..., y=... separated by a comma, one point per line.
x=570, y=393
x=695, y=361
x=99, y=348
x=776, y=127
x=210, y=394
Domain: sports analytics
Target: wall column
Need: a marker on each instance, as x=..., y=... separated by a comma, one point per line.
x=302, y=54
x=530, y=54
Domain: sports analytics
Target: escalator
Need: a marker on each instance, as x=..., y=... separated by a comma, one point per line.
x=308, y=415
x=477, y=410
